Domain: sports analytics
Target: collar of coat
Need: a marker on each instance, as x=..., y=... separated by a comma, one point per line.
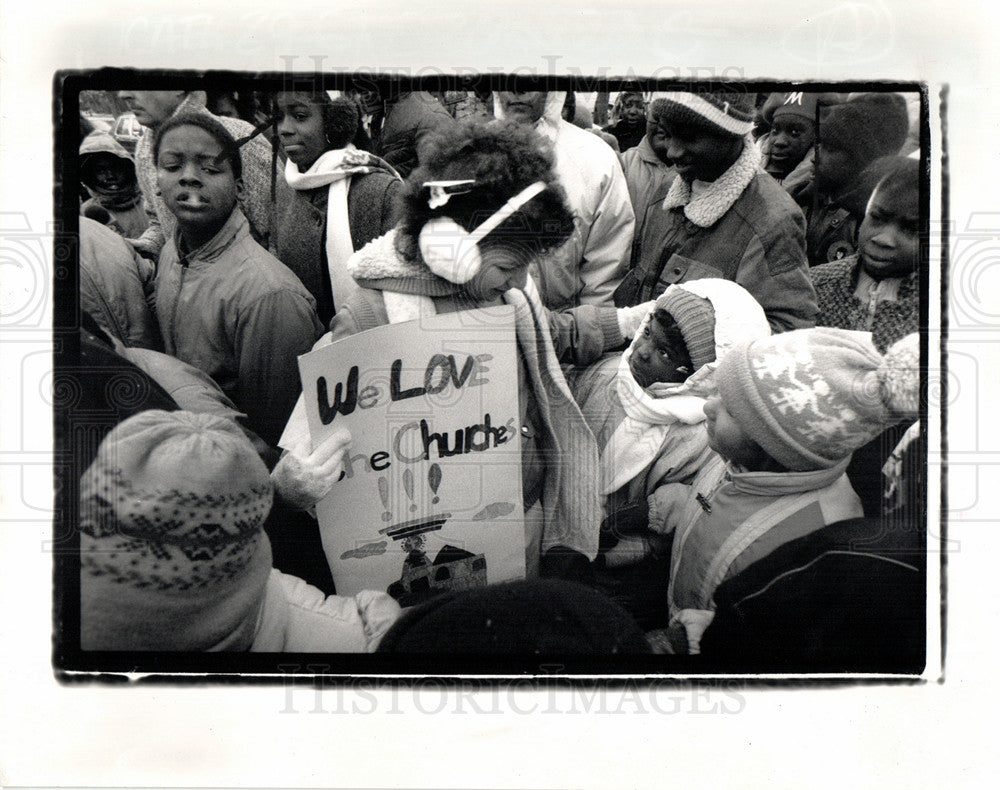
x=709, y=207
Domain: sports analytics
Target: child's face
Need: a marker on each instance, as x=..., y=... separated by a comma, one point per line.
x=501, y=270
x=300, y=129
x=698, y=153
x=727, y=437
x=110, y=173
x=888, y=238
x=791, y=139
x=655, y=357
x=197, y=186
x=633, y=109
x=152, y=108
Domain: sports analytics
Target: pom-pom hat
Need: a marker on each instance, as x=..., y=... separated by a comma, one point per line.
x=812, y=397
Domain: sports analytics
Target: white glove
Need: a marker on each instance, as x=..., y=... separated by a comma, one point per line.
x=629, y=318
x=302, y=478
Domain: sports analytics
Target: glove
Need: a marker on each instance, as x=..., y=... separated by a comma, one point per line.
x=302, y=478
x=629, y=318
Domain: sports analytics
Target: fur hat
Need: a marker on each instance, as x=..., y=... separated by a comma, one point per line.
x=867, y=127
x=725, y=113
x=696, y=319
x=544, y=616
x=173, y=554
x=812, y=397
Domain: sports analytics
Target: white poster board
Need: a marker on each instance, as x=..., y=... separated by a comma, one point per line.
x=430, y=497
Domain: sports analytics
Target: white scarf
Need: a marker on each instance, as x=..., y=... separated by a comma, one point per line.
x=335, y=168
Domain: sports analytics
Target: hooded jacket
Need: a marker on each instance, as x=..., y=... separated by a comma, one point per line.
x=590, y=265
x=742, y=227
x=128, y=218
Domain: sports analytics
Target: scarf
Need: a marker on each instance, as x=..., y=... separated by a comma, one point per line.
x=335, y=169
x=715, y=198
x=572, y=511
x=650, y=412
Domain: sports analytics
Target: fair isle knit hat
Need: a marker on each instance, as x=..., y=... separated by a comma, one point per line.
x=173, y=554
x=727, y=113
x=695, y=317
x=812, y=397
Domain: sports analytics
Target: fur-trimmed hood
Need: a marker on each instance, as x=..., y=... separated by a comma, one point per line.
x=709, y=206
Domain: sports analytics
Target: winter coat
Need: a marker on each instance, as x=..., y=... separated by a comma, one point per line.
x=888, y=320
x=744, y=227
x=646, y=175
x=590, y=265
x=299, y=236
x=740, y=519
x=115, y=284
x=408, y=123
x=627, y=136
x=128, y=217
x=233, y=310
x=255, y=156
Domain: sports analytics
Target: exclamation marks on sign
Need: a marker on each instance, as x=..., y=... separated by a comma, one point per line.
x=408, y=487
x=383, y=491
x=434, y=476
x=434, y=480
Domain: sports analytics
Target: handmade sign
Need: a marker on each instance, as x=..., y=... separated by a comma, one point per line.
x=430, y=496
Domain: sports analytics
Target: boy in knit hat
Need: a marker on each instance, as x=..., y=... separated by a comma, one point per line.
x=723, y=216
x=851, y=137
x=787, y=149
x=646, y=406
x=790, y=412
x=174, y=556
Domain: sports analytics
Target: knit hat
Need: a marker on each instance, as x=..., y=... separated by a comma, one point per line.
x=812, y=397
x=173, y=555
x=695, y=317
x=801, y=104
x=544, y=616
x=726, y=113
x=867, y=126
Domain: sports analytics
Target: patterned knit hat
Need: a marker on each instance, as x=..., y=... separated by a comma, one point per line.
x=725, y=113
x=812, y=397
x=173, y=555
x=695, y=317
x=867, y=126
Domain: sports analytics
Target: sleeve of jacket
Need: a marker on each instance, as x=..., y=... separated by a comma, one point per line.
x=775, y=271
x=582, y=334
x=270, y=335
x=608, y=245
x=317, y=623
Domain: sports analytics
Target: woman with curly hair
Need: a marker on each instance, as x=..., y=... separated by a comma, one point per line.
x=483, y=205
x=334, y=197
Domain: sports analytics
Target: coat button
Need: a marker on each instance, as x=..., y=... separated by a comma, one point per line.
x=677, y=270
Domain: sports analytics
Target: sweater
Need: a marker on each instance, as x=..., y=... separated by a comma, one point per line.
x=743, y=226
x=299, y=238
x=235, y=311
x=840, y=306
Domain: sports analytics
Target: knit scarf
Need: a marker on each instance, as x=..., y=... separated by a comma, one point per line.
x=335, y=168
x=710, y=204
x=571, y=508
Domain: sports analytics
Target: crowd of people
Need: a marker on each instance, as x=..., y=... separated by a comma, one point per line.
x=717, y=307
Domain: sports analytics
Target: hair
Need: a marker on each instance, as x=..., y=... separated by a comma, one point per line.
x=674, y=335
x=504, y=158
x=230, y=151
